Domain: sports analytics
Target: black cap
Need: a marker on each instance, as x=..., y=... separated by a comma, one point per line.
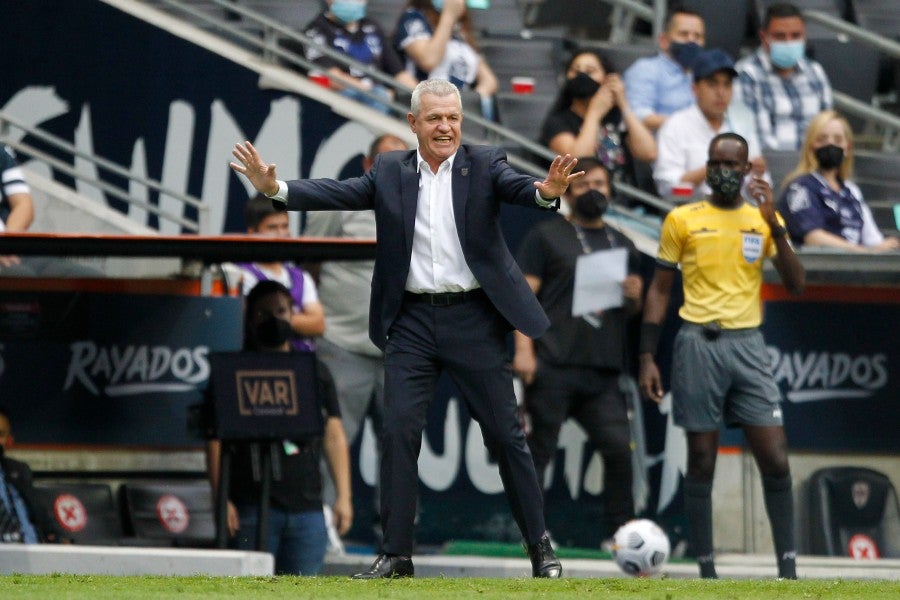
x=712, y=61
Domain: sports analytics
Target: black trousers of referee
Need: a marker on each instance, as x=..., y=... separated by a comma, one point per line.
x=592, y=397
x=468, y=340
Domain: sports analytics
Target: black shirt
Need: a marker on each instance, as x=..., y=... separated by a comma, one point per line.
x=611, y=148
x=549, y=252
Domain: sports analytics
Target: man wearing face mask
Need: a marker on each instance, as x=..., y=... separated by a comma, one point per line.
x=344, y=27
x=720, y=365
x=684, y=138
x=658, y=86
x=572, y=371
x=782, y=87
x=297, y=534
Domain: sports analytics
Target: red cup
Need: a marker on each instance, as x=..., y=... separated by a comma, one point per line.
x=682, y=192
x=320, y=78
x=523, y=85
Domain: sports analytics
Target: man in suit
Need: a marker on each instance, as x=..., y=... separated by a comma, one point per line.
x=445, y=294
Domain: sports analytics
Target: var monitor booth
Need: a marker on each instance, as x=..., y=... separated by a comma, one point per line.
x=261, y=399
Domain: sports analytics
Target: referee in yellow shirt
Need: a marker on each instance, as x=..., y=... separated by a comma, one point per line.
x=720, y=366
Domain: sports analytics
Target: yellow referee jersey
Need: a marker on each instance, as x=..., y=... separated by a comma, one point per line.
x=721, y=253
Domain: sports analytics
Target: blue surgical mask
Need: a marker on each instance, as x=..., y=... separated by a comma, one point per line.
x=348, y=11
x=438, y=5
x=786, y=55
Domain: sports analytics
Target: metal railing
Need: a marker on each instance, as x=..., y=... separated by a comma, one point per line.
x=200, y=225
x=854, y=32
x=268, y=46
x=887, y=124
x=270, y=50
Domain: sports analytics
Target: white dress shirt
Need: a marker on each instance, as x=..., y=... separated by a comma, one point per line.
x=438, y=263
x=683, y=144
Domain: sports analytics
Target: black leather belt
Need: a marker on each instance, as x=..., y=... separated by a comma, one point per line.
x=444, y=298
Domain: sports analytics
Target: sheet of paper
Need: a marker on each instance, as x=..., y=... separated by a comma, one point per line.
x=598, y=281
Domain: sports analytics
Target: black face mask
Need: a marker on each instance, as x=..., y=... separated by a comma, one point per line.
x=273, y=332
x=581, y=86
x=829, y=157
x=684, y=53
x=590, y=205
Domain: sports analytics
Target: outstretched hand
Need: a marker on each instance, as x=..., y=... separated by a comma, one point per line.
x=252, y=166
x=559, y=176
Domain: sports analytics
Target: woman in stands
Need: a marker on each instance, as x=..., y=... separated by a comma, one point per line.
x=436, y=39
x=591, y=117
x=821, y=205
x=297, y=533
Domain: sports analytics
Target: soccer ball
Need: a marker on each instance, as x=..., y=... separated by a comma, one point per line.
x=640, y=548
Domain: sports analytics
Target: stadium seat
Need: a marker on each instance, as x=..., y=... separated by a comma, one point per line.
x=540, y=59
x=878, y=175
x=579, y=19
x=524, y=114
x=386, y=13
x=84, y=512
x=621, y=56
x=726, y=23
x=853, y=511
x=852, y=67
x=780, y=163
x=170, y=513
x=878, y=16
x=503, y=17
x=295, y=15
x=881, y=17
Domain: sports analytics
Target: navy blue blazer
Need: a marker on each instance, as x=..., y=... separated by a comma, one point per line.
x=482, y=179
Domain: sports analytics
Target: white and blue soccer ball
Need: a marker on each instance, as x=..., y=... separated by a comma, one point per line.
x=641, y=548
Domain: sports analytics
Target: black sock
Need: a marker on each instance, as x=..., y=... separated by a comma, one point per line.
x=617, y=489
x=698, y=507
x=780, y=507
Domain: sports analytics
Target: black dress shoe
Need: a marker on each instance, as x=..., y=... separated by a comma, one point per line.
x=388, y=566
x=543, y=559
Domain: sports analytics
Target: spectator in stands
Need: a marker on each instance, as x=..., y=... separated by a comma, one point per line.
x=657, y=87
x=16, y=216
x=784, y=89
x=436, y=39
x=345, y=290
x=22, y=519
x=308, y=316
x=720, y=365
x=685, y=136
x=822, y=206
x=297, y=536
x=573, y=369
x=592, y=117
x=344, y=27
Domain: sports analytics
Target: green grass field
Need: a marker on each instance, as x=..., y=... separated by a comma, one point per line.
x=102, y=587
